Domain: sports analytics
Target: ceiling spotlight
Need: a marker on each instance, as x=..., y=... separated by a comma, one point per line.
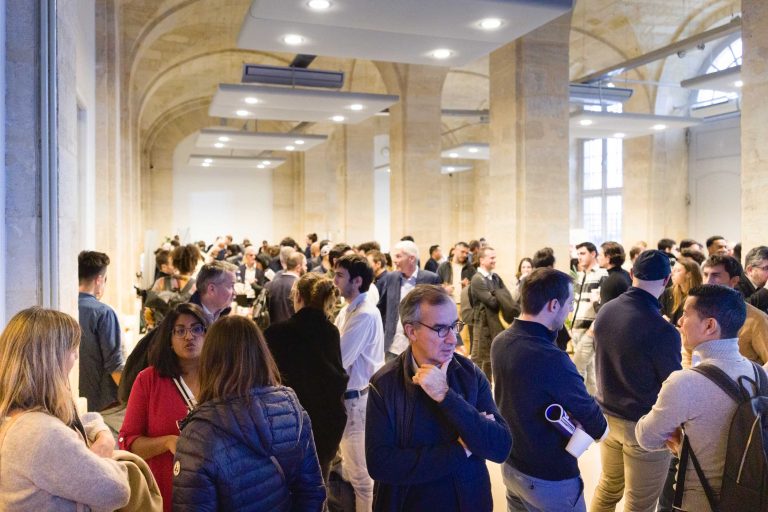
x=585, y=122
x=261, y=166
x=356, y=107
x=293, y=39
x=319, y=5
x=338, y=119
x=738, y=83
x=389, y=170
x=659, y=127
x=251, y=100
x=218, y=145
x=266, y=162
x=610, y=84
x=223, y=138
x=490, y=23
x=206, y=164
x=298, y=142
x=453, y=155
x=450, y=169
x=441, y=53
x=208, y=161
x=243, y=113
x=619, y=135
x=289, y=148
x=473, y=150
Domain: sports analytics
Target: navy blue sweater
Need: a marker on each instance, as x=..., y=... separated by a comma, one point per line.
x=635, y=351
x=531, y=373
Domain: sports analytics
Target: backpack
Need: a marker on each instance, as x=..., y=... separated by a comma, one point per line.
x=261, y=309
x=745, y=476
x=159, y=303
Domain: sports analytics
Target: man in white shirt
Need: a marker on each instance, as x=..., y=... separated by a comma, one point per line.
x=362, y=354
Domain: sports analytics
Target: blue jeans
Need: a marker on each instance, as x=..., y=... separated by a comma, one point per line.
x=528, y=494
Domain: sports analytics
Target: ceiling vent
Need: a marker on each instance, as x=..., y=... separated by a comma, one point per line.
x=292, y=76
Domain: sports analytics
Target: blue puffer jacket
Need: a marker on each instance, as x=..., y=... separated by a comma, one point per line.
x=248, y=455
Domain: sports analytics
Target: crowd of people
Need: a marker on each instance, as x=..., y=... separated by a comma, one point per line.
x=337, y=377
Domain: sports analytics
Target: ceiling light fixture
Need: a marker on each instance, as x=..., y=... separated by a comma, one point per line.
x=293, y=39
x=289, y=148
x=261, y=166
x=441, y=53
x=738, y=83
x=208, y=161
x=490, y=23
x=473, y=150
x=218, y=145
x=450, y=169
x=223, y=138
x=319, y=5
x=251, y=100
x=619, y=135
x=659, y=127
x=298, y=142
x=453, y=155
x=338, y=119
x=266, y=162
x=585, y=122
x=243, y=113
x=206, y=164
x=356, y=107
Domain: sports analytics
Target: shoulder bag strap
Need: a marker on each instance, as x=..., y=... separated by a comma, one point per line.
x=186, y=395
x=723, y=381
x=686, y=453
x=761, y=379
x=704, y=483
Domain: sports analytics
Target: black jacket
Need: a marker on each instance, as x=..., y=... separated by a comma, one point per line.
x=252, y=453
x=307, y=352
x=445, y=271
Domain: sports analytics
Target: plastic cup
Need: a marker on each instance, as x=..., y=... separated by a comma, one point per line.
x=579, y=443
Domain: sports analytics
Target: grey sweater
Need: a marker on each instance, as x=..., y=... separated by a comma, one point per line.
x=45, y=465
x=692, y=400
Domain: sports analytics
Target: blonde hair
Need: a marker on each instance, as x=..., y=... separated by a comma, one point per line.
x=34, y=348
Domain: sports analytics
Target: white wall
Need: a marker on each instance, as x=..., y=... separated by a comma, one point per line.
x=714, y=177
x=210, y=202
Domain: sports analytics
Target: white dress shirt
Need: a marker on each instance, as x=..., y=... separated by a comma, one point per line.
x=362, y=341
x=400, y=340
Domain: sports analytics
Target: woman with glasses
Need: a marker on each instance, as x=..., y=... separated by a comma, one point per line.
x=248, y=446
x=49, y=460
x=307, y=352
x=164, y=393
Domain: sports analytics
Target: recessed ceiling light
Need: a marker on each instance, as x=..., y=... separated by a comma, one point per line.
x=298, y=142
x=251, y=100
x=441, y=53
x=610, y=84
x=319, y=5
x=266, y=162
x=585, y=122
x=289, y=148
x=738, y=83
x=356, y=107
x=242, y=113
x=338, y=119
x=218, y=145
x=490, y=23
x=293, y=39
x=206, y=164
x=619, y=135
x=261, y=166
x=659, y=127
x=453, y=155
x=389, y=170
x=450, y=169
x=223, y=138
x=208, y=161
x=473, y=150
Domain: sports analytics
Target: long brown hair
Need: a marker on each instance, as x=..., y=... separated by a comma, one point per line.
x=34, y=348
x=693, y=278
x=235, y=359
x=317, y=291
x=161, y=354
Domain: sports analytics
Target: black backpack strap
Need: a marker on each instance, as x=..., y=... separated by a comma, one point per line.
x=761, y=380
x=704, y=483
x=723, y=381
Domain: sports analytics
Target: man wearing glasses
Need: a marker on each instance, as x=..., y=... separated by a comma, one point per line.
x=431, y=421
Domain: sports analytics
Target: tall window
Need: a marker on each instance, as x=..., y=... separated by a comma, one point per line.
x=729, y=57
x=600, y=187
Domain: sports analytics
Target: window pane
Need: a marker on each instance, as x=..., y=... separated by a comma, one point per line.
x=593, y=164
x=613, y=214
x=736, y=48
x=593, y=215
x=614, y=163
x=724, y=60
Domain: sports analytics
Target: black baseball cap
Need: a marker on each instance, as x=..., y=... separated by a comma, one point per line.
x=651, y=265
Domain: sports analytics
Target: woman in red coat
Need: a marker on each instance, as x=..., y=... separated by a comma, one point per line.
x=164, y=393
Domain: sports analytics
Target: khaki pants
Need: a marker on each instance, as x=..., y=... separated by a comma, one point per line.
x=627, y=467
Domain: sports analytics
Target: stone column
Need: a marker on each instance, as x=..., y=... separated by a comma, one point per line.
x=527, y=183
x=754, y=124
x=416, y=196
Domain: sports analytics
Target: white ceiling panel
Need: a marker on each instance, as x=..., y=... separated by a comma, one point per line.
x=219, y=138
x=234, y=162
x=245, y=101
x=395, y=30
x=599, y=125
x=727, y=80
x=469, y=150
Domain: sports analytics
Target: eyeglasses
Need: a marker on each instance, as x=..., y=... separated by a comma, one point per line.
x=443, y=330
x=180, y=331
